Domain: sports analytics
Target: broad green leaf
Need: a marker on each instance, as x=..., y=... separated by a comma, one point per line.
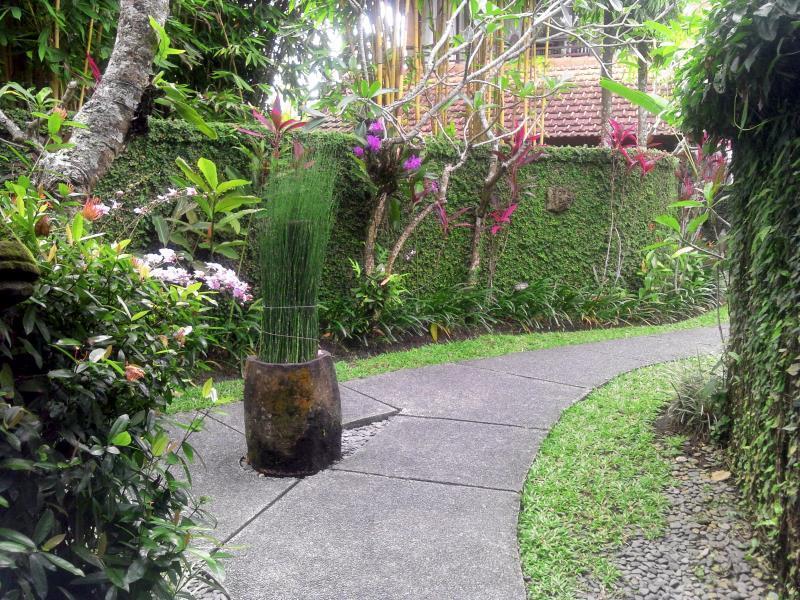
x=162, y=229
x=209, y=171
x=668, y=221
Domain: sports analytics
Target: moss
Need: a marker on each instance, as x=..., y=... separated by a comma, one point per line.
x=570, y=246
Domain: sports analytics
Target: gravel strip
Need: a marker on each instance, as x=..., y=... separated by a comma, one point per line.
x=703, y=554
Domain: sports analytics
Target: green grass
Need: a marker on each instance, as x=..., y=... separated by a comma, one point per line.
x=597, y=477
x=443, y=352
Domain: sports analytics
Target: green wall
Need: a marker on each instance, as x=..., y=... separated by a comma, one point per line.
x=568, y=246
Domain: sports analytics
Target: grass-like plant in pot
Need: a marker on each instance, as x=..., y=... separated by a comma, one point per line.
x=293, y=421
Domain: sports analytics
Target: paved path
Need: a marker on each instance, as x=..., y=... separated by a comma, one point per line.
x=427, y=509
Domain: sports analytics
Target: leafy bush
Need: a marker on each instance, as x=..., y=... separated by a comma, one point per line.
x=699, y=402
x=91, y=505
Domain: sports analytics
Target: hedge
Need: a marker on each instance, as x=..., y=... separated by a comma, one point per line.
x=569, y=246
x=742, y=85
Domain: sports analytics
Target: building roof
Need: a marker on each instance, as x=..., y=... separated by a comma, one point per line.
x=572, y=117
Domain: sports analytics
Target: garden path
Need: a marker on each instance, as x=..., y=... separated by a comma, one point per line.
x=427, y=508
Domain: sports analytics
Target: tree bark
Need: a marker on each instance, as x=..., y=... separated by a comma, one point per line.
x=375, y=220
x=641, y=84
x=496, y=170
x=409, y=229
x=108, y=113
x=607, y=70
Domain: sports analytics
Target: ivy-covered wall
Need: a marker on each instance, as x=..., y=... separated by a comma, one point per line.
x=570, y=246
x=741, y=86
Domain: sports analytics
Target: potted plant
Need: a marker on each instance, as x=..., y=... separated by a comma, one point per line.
x=292, y=410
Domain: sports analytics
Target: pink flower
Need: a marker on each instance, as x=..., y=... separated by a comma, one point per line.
x=376, y=126
x=412, y=163
x=373, y=143
x=358, y=151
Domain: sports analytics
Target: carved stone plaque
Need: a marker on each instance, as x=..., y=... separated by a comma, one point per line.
x=559, y=199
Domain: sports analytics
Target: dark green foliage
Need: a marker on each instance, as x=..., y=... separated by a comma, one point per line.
x=746, y=73
x=387, y=312
x=755, y=87
x=90, y=500
x=699, y=403
x=569, y=246
x=292, y=240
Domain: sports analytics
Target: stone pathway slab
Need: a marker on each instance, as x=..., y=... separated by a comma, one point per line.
x=348, y=536
x=357, y=410
x=428, y=507
x=237, y=495
x=462, y=392
x=492, y=456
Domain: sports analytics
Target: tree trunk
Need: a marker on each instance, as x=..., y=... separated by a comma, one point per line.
x=607, y=70
x=375, y=220
x=641, y=85
x=108, y=113
x=409, y=229
x=496, y=171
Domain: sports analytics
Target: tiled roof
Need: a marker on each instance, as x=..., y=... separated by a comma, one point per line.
x=573, y=115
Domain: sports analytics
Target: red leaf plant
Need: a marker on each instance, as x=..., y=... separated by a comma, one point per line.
x=94, y=68
x=502, y=218
x=275, y=124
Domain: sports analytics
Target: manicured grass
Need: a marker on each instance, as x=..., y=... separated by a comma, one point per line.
x=597, y=477
x=433, y=354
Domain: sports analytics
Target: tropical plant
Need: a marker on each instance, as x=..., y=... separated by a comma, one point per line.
x=210, y=208
x=292, y=239
x=92, y=502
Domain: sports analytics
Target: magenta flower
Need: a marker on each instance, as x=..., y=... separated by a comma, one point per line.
x=358, y=151
x=412, y=163
x=373, y=143
x=377, y=126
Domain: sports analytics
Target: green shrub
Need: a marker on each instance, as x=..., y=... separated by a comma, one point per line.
x=91, y=502
x=540, y=244
x=699, y=403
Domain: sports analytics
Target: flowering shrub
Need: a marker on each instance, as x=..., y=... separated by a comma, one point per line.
x=90, y=502
x=163, y=266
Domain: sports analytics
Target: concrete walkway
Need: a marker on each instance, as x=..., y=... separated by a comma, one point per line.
x=428, y=507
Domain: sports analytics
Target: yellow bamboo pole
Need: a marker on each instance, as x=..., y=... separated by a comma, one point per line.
x=379, y=53
x=544, y=69
x=54, y=80
x=417, y=60
x=86, y=59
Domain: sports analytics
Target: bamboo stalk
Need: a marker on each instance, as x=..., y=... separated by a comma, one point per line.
x=54, y=80
x=417, y=60
x=379, y=53
x=544, y=69
x=86, y=59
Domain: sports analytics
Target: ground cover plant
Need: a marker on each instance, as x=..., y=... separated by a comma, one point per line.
x=483, y=346
x=598, y=478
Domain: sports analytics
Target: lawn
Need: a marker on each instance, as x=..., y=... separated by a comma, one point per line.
x=443, y=352
x=597, y=477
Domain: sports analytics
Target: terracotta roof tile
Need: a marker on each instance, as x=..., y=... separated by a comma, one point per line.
x=570, y=115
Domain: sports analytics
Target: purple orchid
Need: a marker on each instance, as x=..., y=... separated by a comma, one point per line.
x=412, y=163
x=358, y=151
x=373, y=143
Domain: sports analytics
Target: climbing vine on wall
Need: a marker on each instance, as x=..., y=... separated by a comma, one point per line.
x=741, y=84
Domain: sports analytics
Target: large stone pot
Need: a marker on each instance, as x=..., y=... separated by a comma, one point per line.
x=292, y=416
x=18, y=273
